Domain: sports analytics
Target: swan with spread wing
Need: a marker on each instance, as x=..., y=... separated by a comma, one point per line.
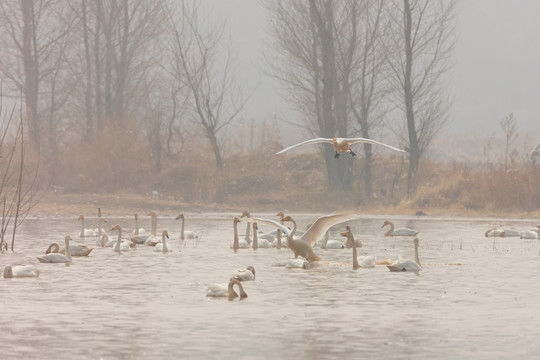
x=341, y=145
x=303, y=245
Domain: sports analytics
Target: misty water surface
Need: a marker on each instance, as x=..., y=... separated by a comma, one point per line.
x=476, y=297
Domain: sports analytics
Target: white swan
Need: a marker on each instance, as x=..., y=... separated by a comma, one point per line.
x=57, y=257
x=331, y=244
x=163, y=247
x=529, y=234
x=510, y=232
x=120, y=246
x=407, y=264
x=244, y=274
x=238, y=244
x=303, y=245
x=258, y=243
x=247, y=236
x=21, y=271
x=138, y=235
x=85, y=232
x=495, y=232
x=358, y=261
x=75, y=250
x=152, y=240
x=297, y=264
x=185, y=234
x=398, y=232
x=226, y=290
x=341, y=145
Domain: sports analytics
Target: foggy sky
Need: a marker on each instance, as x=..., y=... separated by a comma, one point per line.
x=496, y=71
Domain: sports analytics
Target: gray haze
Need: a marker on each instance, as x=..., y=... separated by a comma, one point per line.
x=496, y=71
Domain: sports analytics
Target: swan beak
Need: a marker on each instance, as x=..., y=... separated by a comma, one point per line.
x=344, y=233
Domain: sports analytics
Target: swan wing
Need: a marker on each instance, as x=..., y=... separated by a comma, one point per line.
x=273, y=223
x=312, y=141
x=373, y=142
x=322, y=224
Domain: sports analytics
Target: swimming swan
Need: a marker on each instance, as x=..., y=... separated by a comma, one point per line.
x=407, y=264
x=139, y=235
x=495, y=232
x=57, y=257
x=247, y=236
x=162, y=246
x=258, y=243
x=244, y=274
x=358, y=261
x=75, y=250
x=341, y=145
x=21, y=271
x=120, y=246
x=85, y=232
x=237, y=244
x=226, y=290
x=183, y=233
x=398, y=232
x=152, y=240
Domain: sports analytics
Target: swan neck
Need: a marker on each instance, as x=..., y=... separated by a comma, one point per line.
x=290, y=237
x=182, y=236
x=255, y=238
x=232, y=293
x=136, y=226
x=82, y=227
x=278, y=236
x=235, y=241
x=119, y=241
x=391, y=230
x=154, y=224
x=350, y=238
x=68, y=252
x=416, y=258
x=164, y=242
x=248, y=233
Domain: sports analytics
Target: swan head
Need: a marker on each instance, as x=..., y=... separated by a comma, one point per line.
x=287, y=218
x=8, y=272
x=116, y=227
x=151, y=213
x=165, y=234
x=236, y=220
x=252, y=269
x=81, y=217
x=386, y=222
x=280, y=214
x=181, y=216
x=232, y=293
x=136, y=215
x=246, y=214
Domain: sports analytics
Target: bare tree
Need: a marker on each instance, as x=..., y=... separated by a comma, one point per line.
x=315, y=51
x=419, y=54
x=510, y=129
x=202, y=61
x=19, y=190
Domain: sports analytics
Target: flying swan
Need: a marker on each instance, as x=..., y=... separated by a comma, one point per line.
x=341, y=145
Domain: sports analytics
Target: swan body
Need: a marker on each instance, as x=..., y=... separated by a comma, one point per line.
x=511, y=232
x=358, y=261
x=163, y=247
x=495, y=233
x=21, y=271
x=86, y=232
x=341, y=145
x=407, y=264
x=226, y=290
x=237, y=243
x=244, y=274
x=185, y=234
x=528, y=234
x=398, y=232
x=120, y=246
x=297, y=264
x=57, y=257
x=78, y=250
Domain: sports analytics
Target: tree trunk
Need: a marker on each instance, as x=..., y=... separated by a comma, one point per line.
x=31, y=75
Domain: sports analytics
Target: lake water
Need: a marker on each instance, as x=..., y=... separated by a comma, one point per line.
x=476, y=297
